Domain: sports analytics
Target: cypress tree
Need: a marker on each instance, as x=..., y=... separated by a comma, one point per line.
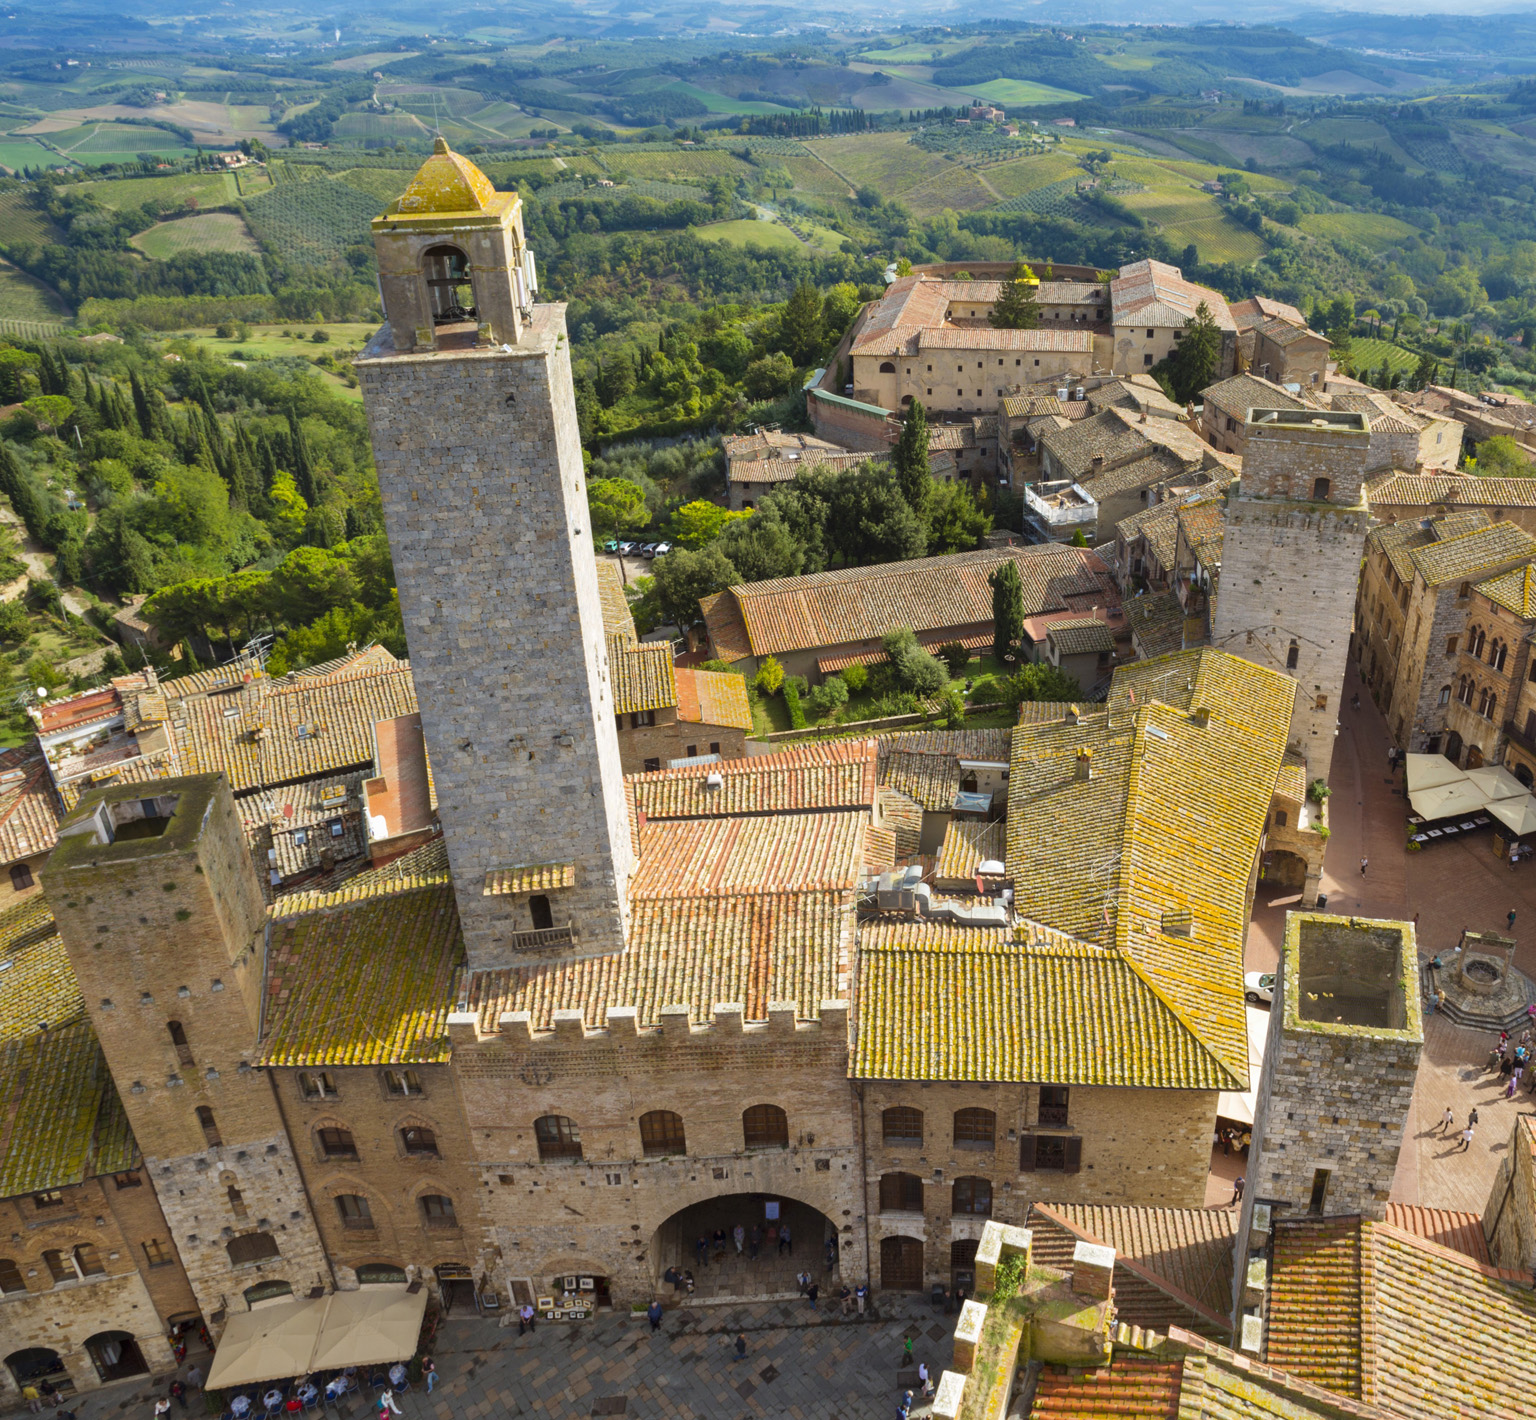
x=1007, y=608
x=910, y=458
x=1016, y=307
x=303, y=469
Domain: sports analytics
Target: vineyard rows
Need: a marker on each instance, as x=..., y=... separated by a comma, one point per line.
x=312, y=221
x=1056, y=199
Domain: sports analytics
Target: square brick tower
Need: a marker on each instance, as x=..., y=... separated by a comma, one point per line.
x=1342, y=1056
x=1295, y=536
x=472, y=413
x=158, y=906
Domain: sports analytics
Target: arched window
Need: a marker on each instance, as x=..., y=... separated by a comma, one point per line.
x=1445, y=695
x=1292, y=656
x=1320, y=490
x=901, y=1193
x=437, y=1211
x=1475, y=639
x=450, y=290
x=1493, y=706
x=209, y=1126
x=539, y=911
x=11, y=1279
x=558, y=1137
x=1497, y=655
x=179, y=1040
x=265, y=1291
x=21, y=877
x=661, y=1133
x=251, y=1247
x=765, y=1126
x=420, y=1143
x=236, y=1201
x=336, y=1143
x=88, y=1261
x=1522, y=773
x=902, y=1125
x=1482, y=701
x=60, y=1267
x=887, y=367
x=975, y=1129
x=354, y=1210
x=906, y=399
x=972, y=1195
x=378, y=1274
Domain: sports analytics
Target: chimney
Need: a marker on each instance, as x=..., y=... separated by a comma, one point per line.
x=1072, y=714
x=1096, y=462
x=1093, y=1271
x=1201, y=716
x=1084, y=764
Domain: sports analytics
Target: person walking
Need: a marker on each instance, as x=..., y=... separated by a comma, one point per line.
x=906, y=1352
x=1237, y=1191
x=786, y=1243
x=741, y=1346
x=525, y=1318
x=1364, y=863
x=801, y=1281
x=1447, y=1121
x=1511, y=919
x=1472, y=1118
x=925, y=1378
x=387, y=1405
x=194, y=1378
x=162, y=1407
x=905, y=1408
x=653, y=1315
x=178, y=1392
x=813, y=1291
x=1466, y=1140
x=739, y=1237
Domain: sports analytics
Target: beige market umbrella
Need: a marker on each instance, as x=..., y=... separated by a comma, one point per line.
x=1519, y=815
x=1429, y=771
x=1497, y=783
x=370, y=1327
x=1447, y=800
x=266, y=1345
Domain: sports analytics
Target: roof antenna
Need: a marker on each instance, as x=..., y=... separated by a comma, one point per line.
x=437, y=118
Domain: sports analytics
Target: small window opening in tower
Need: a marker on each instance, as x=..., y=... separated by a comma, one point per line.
x=447, y=275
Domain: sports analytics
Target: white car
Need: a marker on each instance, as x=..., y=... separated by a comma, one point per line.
x=662, y=549
x=1259, y=988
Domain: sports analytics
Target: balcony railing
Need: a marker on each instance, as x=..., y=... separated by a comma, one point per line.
x=544, y=938
x=1053, y=1114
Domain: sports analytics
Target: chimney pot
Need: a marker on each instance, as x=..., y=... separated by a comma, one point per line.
x=1084, y=764
x=1201, y=715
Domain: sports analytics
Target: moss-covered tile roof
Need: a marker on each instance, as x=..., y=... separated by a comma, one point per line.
x=642, y=676
x=1396, y=541
x=365, y=976
x=1132, y=1386
x=444, y=185
x=1515, y=590
x=813, y=777
x=1165, y=830
x=1156, y=623
x=529, y=877
x=1473, y=555
x=713, y=698
x=618, y=620
x=967, y=844
x=1081, y=636
x=730, y=856
x=61, y=1120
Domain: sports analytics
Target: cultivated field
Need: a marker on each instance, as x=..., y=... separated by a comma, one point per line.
x=886, y=162
x=20, y=221
x=1371, y=229
x=200, y=189
x=207, y=231
x=959, y=188
x=22, y=298
x=1194, y=217
x=1373, y=354
x=683, y=165
x=1026, y=174
x=18, y=153
x=745, y=233
x=313, y=221
x=723, y=103
x=1022, y=91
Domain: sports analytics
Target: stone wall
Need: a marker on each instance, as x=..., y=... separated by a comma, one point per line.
x=670, y=738
x=846, y=423
x=1509, y=1219
x=481, y=478
x=600, y=1214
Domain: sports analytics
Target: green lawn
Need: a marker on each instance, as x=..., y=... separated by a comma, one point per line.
x=723, y=103
x=267, y=341
x=1021, y=91
x=207, y=231
x=18, y=153
x=743, y=233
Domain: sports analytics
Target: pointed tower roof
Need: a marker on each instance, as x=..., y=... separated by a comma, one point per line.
x=446, y=184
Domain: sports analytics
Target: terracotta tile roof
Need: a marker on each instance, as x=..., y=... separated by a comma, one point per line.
x=1131, y=393
x=1237, y=395
x=1255, y=310
x=909, y=302
x=1292, y=781
x=530, y=877
x=1427, y=490
x=1030, y=406
x=967, y=844
x=1396, y=541
x=617, y=618
x=1515, y=590
x=719, y=857
x=290, y=830
x=336, y=714
x=1156, y=623
x=803, y=778
x=1385, y=416
x=929, y=640
x=786, y=470
x=1081, y=637
x=1169, y=822
x=713, y=698
x=29, y=809
x=422, y=867
x=728, y=637
x=951, y=436
x=928, y=594
x=1069, y=341
x=879, y=850
x=691, y=952
x=1313, y=1326
x=984, y=426
x=1173, y=1266
x=903, y=815
x=1284, y=334
x=925, y=764
x=642, y=676
x=942, y=1002
x=1133, y=1387
x=1460, y=1232
x=368, y=980
x=1473, y=555
x=60, y=1117
x=1119, y=436
x=1153, y=293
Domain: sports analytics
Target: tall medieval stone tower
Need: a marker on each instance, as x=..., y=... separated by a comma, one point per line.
x=1295, y=535
x=472, y=413
x=158, y=906
x=1342, y=1056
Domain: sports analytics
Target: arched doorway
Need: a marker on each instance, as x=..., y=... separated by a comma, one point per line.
x=720, y=1271
x=1284, y=869
x=901, y=1264
x=1474, y=757
x=1453, y=747
x=36, y=1363
x=116, y=1355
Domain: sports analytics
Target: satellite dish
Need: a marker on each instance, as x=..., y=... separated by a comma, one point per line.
x=42, y=692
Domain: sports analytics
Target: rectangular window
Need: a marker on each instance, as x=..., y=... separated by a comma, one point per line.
x=318, y=1085
x=401, y=1083
x=1050, y=1153
x=50, y=1198
x=641, y=718
x=156, y=1253
x=130, y=1179
x=693, y=751
x=1319, y=1196
x=651, y=765
x=1450, y=645
x=1147, y=358
x=714, y=746
x=1053, y=1104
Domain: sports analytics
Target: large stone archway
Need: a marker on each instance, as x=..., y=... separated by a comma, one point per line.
x=700, y=1240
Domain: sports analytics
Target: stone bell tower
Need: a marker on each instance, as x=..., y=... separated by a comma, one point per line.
x=472, y=414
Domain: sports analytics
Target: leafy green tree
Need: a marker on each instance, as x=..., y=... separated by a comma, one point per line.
x=1500, y=457
x=303, y=466
x=769, y=376
x=955, y=523
x=1193, y=364
x=309, y=582
x=805, y=509
x=617, y=508
x=828, y=697
x=1007, y=608
x=1426, y=372
x=800, y=325
x=1039, y=680
x=838, y=308
x=683, y=578
x=910, y=458
x=762, y=547
x=50, y=410
x=914, y=669
x=701, y=522
x=770, y=676
x=870, y=521
x=1016, y=307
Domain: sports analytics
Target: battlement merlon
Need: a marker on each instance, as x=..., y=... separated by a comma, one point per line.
x=515, y=1028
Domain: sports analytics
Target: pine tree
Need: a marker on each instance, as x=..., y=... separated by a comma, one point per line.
x=800, y=325
x=1016, y=307
x=1194, y=363
x=266, y=461
x=141, y=406
x=353, y=527
x=1007, y=608
x=909, y=458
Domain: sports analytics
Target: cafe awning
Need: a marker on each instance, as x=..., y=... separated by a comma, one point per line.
x=1517, y=815
x=1447, y=800
x=1496, y=782
x=1238, y=1107
x=295, y=1337
x=1429, y=771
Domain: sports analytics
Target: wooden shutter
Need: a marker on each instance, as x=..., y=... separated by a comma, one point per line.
x=1074, y=1156
x=1027, y=1154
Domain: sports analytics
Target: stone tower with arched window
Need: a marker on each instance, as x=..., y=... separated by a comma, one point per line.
x=157, y=904
x=1295, y=530
x=472, y=412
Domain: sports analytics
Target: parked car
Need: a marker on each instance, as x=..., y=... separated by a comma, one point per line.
x=628, y=549
x=663, y=548
x=1259, y=988
x=612, y=545
x=649, y=550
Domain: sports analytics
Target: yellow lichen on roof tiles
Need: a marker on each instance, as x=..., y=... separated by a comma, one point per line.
x=1081, y=637
x=806, y=777
x=618, y=620
x=967, y=844
x=368, y=982
x=1515, y=590
x=61, y=1120
x=1474, y=555
x=642, y=676
x=713, y=698
x=725, y=856
x=530, y=877
x=445, y=184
